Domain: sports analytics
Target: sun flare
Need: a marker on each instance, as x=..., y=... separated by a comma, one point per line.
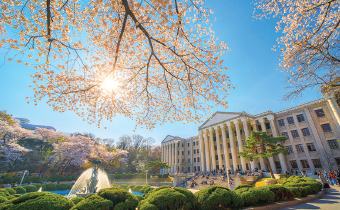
x=110, y=84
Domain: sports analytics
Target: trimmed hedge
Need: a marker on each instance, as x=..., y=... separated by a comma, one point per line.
x=93, y=202
x=19, y=190
x=4, y=192
x=51, y=187
x=256, y=196
x=242, y=186
x=62, y=186
x=8, y=180
x=281, y=193
x=11, y=191
x=121, y=199
x=30, y=188
x=41, y=200
x=218, y=197
x=43, y=186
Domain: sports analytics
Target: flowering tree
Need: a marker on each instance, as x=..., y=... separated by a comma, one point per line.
x=310, y=46
x=154, y=61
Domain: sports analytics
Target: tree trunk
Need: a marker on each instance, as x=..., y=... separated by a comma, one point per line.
x=270, y=168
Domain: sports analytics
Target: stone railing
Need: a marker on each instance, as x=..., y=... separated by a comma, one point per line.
x=301, y=106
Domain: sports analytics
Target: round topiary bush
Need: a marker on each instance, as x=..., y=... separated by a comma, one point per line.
x=3, y=199
x=217, y=197
x=70, y=186
x=62, y=186
x=256, y=196
x=77, y=200
x=51, y=187
x=30, y=188
x=10, y=191
x=120, y=198
x=4, y=192
x=281, y=193
x=41, y=200
x=242, y=186
x=93, y=203
x=19, y=190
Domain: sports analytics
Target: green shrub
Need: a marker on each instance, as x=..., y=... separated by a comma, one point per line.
x=170, y=198
x=30, y=188
x=1, y=181
x=41, y=200
x=139, y=197
x=256, y=196
x=118, y=176
x=217, y=197
x=124, y=186
x=75, y=177
x=243, y=186
x=43, y=186
x=68, y=178
x=76, y=200
x=17, y=195
x=165, y=175
x=8, y=180
x=281, y=193
x=160, y=175
x=147, y=206
x=19, y=190
x=93, y=203
x=10, y=191
x=51, y=187
x=4, y=192
x=111, y=176
x=17, y=179
x=62, y=186
x=120, y=198
x=70, y=186
x=3, y=199
x=53, y=178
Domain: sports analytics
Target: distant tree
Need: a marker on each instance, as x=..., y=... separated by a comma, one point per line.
x=155, y=166
x=261, y=145
x=124, y=142
x=310, y=45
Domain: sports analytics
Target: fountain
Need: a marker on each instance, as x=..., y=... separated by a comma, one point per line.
x=90, y=181
x=130, y=191
x=40, y=189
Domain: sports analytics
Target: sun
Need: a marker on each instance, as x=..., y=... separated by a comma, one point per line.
x=110, y=84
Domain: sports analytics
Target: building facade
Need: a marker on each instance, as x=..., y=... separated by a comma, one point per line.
x=313, y=131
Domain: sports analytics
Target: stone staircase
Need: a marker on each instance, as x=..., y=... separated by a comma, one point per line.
x=217, y=181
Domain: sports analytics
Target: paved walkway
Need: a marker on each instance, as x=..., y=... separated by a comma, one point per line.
x=330, y=201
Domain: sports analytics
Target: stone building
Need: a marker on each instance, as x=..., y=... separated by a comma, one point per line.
x=313, y=131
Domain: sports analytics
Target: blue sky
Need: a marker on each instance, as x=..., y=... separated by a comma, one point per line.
x=253, y=72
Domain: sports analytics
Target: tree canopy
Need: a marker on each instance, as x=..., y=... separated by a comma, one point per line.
x=154, y=61
x=310, y=45
x=260, y=145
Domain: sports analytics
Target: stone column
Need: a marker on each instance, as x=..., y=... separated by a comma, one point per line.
x=176, y=155
x=232, y=146
x=240, y=145
x=171, y=157
x=218, y=147
x=262, y=163
x=271, y=159
x=207, y=155
x=202, y=150
x=246, y=134
x=335, y=110
x=212, y=149
x=275, y=134
x=225, y=147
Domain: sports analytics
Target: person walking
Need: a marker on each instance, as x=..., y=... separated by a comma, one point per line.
x=338, y=177
x=325, y=184
x=334, y=177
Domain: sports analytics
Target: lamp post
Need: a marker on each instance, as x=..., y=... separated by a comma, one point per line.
x=146, y=176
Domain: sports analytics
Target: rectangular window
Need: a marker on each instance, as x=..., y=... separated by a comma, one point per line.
x=237, y=144
x=188, y=152
x=222, y=157
x=333, y=144
x=198, y=168
x=290, y=120
x=295, y=134
x=182, y=145
x=195, y=168
x=304, y=163
x=285, y=134
x=293, y=164
x=299, y=148
x=281, y=122
x=251, y=128
x=198, y=159
x=311, y=147
x=227, y=135
x=197, y=143
x=235, y=133
x=177, y=152
x=290, y=149
x=243, y=142
x=214, y=138
x=259, y=127
x=221, y=147
x=319, y=113
x=229, y=145
x=188, y=160
x=177, y=160
x=215, y=147
x=230, y=156
x=277, y=164
x=182, y=152
x=326, y=127
x=198, y=151
x=267, y=125
x=305, y=131
x=194, y=160
x=241, y=131
x=300, y=118
x=188, y=169
x=194, y=143
x=317, y=163
x=188, y=144
x=216, y=157
x=194, y=151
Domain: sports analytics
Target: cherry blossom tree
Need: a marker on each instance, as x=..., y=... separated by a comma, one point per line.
x=310, y=45
x=154, y=61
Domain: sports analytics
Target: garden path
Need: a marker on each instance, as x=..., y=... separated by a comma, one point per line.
x=330, y=201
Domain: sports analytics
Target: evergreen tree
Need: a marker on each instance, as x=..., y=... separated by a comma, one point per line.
x=261, y=145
